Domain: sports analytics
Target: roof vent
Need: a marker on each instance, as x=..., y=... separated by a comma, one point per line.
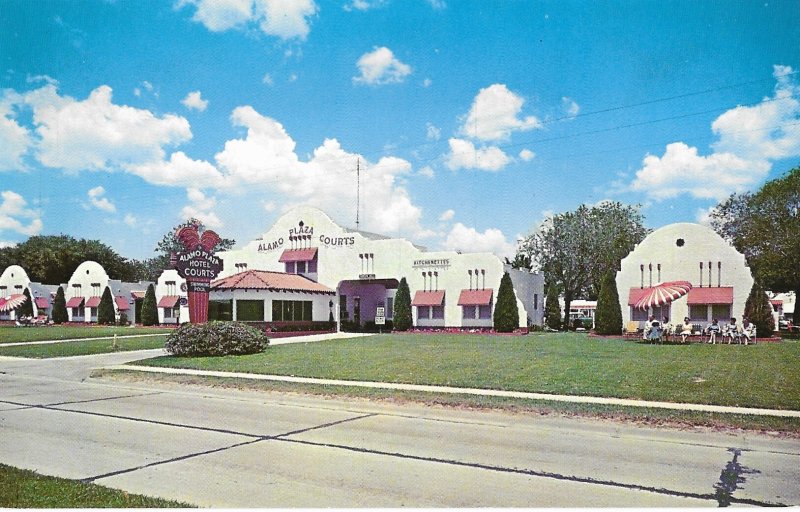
x=679, y=242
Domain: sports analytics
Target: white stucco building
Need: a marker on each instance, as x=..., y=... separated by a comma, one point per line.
x=171, y=297
x=85, y=289
x=718, y=273
x=13, y=283
x=362, y=271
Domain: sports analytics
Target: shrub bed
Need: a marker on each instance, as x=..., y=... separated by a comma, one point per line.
x=215, y=339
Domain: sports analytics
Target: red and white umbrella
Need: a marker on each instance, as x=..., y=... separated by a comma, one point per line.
x=663, y=293
x=12, y=302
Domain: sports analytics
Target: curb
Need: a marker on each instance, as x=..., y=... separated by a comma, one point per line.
x=470, y=391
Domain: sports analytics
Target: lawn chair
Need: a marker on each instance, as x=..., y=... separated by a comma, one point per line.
x=631, y=329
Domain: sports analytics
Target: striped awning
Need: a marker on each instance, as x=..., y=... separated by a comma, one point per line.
x=658, y=295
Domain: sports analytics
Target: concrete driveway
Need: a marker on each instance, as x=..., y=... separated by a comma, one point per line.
x=221, y=448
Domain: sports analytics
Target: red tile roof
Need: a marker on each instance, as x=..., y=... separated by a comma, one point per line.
x=75, y=302
x=266, y=280
x=93, y=302
x=428, y=298
x=475, y=297
x=723, y=295
x=168, y=301
x=290, y=255
x=42, y=303
x=122, y=303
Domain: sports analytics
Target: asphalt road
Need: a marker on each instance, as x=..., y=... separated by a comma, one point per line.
x=220, y=448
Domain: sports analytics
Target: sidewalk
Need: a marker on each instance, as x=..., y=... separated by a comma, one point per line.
x=471, y=391
x=50, y=342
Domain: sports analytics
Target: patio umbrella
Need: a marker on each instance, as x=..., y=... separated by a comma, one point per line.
x=13, y=302
x=663, y=293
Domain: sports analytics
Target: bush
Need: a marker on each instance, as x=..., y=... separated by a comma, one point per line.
x=26, y=309
x=215, y=339
x=149, y=307
x=608, y=319
x=123, y=319
x=506, y=314
x=402, y=307
x=60, y=307
x=552, y=309
x=759, y=311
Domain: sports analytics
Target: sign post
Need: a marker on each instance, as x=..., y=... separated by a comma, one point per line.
x=380, y=318
x=199, y=266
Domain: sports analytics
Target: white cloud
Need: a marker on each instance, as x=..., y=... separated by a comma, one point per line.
x=14, y=139
x=464, y=155
x=97, y=134
x=266, y=156
x=526, y=155
x=130, y=220
x=750, y=138
x=201, y=207
x=269, y=206
x=178, y=171
x=447, y=215
x=463, y=238
x=433, y=133
x=363, y=5
x=98, y=201
x=193, y=100
x=267, y=79
x=703, y=216
x=6, y=243
x=427, y=82
x=494, y=115
x=286, y=19
x=570, y=107
x=427, y=171
x=437, y=4
x=380, y=67
x=13, y=208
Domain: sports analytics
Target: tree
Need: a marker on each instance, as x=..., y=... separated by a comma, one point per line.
x=149, y=307
x=759, y=311
x=608, y=316
x=402, y=319
x=552, y=309
x=506, y=313
x=53, y=258
x=59, y=312
x=575, y=249
x=520, y=262
x=105, y=311
x=26, y=308
x=765, y=227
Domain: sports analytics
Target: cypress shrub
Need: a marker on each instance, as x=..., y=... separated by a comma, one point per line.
x=608, y=317
x=552, y=309
x=759, y=311
x=149, y=307
x=402, y=307
x=60, y=307
x=105, y=311
x=506, y=314
x=26, y=308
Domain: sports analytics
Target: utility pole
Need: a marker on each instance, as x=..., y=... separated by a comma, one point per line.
x=358, y=190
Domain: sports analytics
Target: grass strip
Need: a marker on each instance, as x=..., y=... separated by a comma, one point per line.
x=11, y=334
x=21, y=488
x=760, y=376
x=82, y=348
x=639, y=415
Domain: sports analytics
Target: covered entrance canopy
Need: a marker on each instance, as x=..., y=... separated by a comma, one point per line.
x=659, y=295
x=359, y=299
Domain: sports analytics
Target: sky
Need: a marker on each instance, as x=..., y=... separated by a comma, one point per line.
x=469, y=121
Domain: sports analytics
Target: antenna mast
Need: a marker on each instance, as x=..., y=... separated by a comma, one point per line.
x=358, y=190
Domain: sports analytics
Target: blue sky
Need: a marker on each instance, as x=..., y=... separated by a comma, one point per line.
x=471, y=120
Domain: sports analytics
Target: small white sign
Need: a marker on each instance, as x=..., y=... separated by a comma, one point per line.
x=380, y=316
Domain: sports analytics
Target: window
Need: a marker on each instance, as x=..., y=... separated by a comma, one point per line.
x=485, y=312
x=637, y=315
x=168, y=313
x=76, y=312
x=389, y=308
x=301, y=267
x=343, y=314
x=468, y=312
x=423, y=312
x=92, y=311
x=290, y=267
x=220, y=310
x=250, y=310
x=437, y=312
x=721, y=311
x=698, y=313
x=535, y=301
x=291, y=310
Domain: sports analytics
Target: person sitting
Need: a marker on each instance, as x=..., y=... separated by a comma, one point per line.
x=668, y=328
x=648, y=326
x=686, y=329
x=748, y=330
x=655, y=329
x=731, y=331
x=712, y=331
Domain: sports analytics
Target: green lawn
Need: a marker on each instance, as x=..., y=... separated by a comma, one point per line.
x=764, y=375
x=12, y=334
x=20, y=488
x=83, y=348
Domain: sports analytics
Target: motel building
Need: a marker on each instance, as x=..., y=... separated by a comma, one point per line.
x=13, y=283
x=720, y=280
x=172, y=298
x=308, y=268
x=85, y=289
